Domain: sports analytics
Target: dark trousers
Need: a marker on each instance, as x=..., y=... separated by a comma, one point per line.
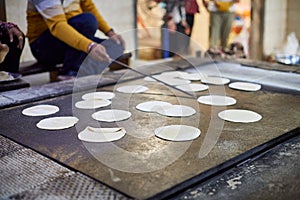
x=12, y=60
x=50, y=50
x=174, y=43
x=190, y=22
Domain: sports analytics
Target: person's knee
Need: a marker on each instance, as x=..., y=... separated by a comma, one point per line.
x=84, y=23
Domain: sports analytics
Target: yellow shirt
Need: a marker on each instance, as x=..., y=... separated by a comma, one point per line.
x=53, y=15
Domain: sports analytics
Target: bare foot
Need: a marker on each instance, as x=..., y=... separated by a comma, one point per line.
x=3, y=51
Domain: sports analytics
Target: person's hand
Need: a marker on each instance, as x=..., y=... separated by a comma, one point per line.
x=98, y=52
x=15, y=31
x=172, y=26
x=3, y=51
x=117, y=38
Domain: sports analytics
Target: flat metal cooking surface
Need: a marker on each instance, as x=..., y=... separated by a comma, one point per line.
x=140, y=164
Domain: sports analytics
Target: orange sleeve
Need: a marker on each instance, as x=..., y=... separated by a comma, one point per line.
x=89, y=6
x=60, y=29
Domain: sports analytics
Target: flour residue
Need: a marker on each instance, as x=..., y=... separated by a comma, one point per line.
x=232, y=183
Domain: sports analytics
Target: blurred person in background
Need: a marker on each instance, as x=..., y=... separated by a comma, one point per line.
x=221, y=19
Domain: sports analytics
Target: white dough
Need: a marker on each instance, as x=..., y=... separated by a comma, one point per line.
x=91, y=134
x=193, y=87
x=177, y=111
x=193, y=76
x=174, y=74
x=111, y=115
x=177, y=132
x=152, y=106
x=40, y=110
x=132, y=89
x=92, y=103
x=215, y=80
x=217, y=100
x=172, y=80
x=98, y=95
x=245, y=86
x=57, y=123
x=238, y=115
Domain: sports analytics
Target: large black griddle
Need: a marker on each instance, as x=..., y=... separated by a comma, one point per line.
x=236, y=143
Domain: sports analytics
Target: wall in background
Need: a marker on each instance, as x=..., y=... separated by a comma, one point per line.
x=275, y=23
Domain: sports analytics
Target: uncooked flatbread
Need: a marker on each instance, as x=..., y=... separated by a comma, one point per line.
x=111, y=115
x=132, y=89
x=152, y=106
x=174, y=74
x=215, y=80
x=217, y=100
x=251, y=87
x=239, y=115
x=177, y=132
x=98, y=95
x=193, y=76
x=177, y=111
x=171, y=80
x=91, y=134
x=40, y=110
x=57, y=123
x=92, y=103
x=193, y=87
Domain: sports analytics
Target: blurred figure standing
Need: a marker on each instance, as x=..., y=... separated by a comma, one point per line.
x=173, y=37
x=191, y=8
x=221, y=19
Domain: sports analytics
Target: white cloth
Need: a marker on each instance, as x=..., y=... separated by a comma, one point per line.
x=176, y=14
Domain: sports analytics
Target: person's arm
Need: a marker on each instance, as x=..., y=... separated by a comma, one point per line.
x=89, y=6
x=54, y=16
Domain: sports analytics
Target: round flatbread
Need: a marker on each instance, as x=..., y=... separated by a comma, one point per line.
x=57, y=123
x=172, y=80
x=177, y=111
x=98, y=95
x=215, y=80
x=174, y=74
x=193, y=87
x=152, y=106
x=111, y=115
x=91, y=134
x=92, y=103
x=251, y=87
x=40, y=110
x=177, y=133
x=239, y=115
x=192, y=76
x=132, y=89
x=217, y=100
